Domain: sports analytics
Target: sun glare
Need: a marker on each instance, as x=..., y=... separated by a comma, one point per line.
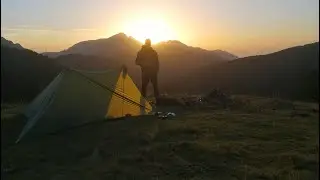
x=154, y=29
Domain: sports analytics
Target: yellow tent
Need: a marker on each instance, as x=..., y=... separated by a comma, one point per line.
x=76, y=97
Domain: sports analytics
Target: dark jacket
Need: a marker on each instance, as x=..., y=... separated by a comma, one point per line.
x=147, y=58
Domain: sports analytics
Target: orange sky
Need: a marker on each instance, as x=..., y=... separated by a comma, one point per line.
x=246, y=27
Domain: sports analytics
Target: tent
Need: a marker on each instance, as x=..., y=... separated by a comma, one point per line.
x=76, y=97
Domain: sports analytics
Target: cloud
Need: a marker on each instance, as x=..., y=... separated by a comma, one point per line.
x=84, y=30
x=25, y=28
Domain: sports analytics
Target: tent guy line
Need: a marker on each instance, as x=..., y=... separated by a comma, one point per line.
x=116, y=93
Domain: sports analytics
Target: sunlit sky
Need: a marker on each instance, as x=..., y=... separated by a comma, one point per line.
x=242, y=27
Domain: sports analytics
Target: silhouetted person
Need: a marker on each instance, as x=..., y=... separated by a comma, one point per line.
x=147, y=59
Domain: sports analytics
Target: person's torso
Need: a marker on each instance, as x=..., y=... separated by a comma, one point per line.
x=148, y=58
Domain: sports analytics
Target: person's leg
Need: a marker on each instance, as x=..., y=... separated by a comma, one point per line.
x=145, y=81
x=154, y=81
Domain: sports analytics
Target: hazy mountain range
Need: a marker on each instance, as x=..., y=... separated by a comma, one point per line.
x=121, y=45
x=120, y=49
x=291, y=73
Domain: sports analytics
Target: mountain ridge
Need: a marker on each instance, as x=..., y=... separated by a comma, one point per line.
x=129, y=42
x=8, y=43
x=289, y=73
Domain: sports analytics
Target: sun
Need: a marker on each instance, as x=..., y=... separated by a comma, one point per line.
x=155, y=29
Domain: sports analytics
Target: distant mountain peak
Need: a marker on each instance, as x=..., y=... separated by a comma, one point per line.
x=120, y=35
x=172, y=42
x=175, y=43
x=225, y=55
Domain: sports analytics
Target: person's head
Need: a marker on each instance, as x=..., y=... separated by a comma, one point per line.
x=147, y=42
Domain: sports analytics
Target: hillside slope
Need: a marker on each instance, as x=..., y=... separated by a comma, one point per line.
x=24, y=73
x=290, y=73
x=7, y=43
x=86, y=62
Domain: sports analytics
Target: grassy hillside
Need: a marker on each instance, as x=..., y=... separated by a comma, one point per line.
x=24, y=74
x=291, y=73
x=255, y=138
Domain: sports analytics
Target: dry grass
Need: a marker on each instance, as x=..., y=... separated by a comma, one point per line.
x=202, y=143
